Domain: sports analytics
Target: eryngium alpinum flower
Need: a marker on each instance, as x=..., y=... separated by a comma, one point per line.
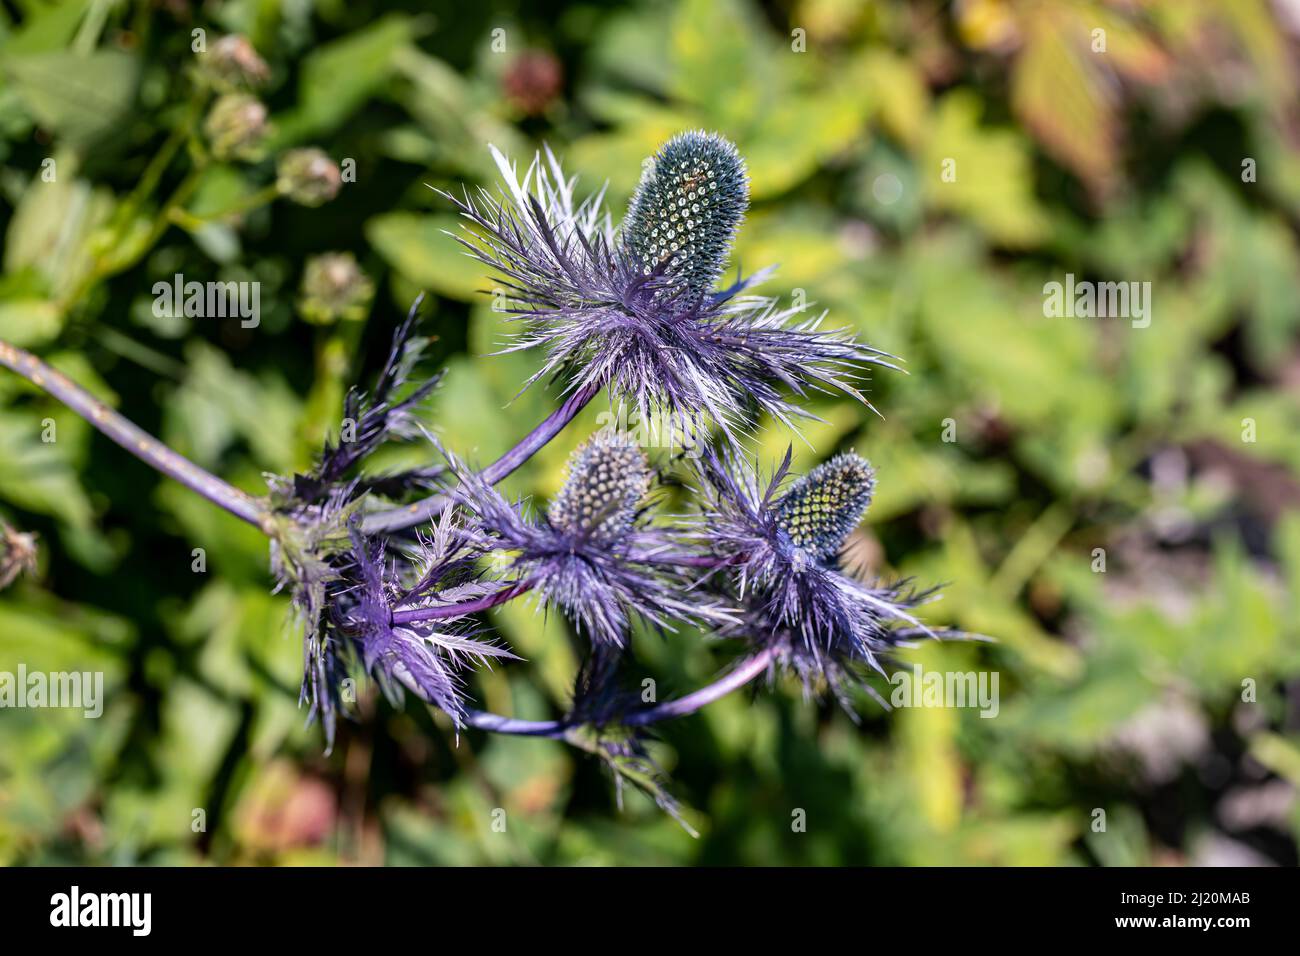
x=426, y=658
x=312, y=542
x=635, y=311
x=780, y=558
x=592, y=555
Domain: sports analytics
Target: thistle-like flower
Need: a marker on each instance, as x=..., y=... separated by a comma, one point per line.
x=821, y=509
x=778, y=554
x=315, y=553
x=635, y=309
x=592, y=555
x=426, y=658
x=601, y=498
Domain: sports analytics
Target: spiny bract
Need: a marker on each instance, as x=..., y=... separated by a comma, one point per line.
x=823, y=507
x=687, y=209
x=607, y=480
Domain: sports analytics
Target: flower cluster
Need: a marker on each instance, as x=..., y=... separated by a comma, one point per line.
x=632, y=311
x=392, y=572
x=780, y=551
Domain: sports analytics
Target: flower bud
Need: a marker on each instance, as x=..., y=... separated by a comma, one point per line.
x=686, y=210
x=236, y=126
x=308, y=176
x=533, y=82
x=333, y=288
x=607, y=480
x=233, y=64
x=17, y=554
x=823, y=507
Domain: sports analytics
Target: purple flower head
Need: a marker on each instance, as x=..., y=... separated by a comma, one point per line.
x=592, y=555
x=426, y=658
x=779, y=556
x=309, y=514
x=309, y=542
x=635, y=311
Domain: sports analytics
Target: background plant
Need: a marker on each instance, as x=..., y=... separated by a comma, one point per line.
x=1122, y=690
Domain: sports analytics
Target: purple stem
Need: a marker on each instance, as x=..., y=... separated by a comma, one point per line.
x=733, y=680
x=396, y=519
x=131, y=437
x=507, y=593
x=724, y=685
x=497, y=724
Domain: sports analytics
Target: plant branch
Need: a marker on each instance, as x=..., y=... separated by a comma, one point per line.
x=734, y=679
x=396, y=519
x=669, y=710
x=130, y=436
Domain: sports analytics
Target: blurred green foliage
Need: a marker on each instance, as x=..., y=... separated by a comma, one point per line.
x=920, y=170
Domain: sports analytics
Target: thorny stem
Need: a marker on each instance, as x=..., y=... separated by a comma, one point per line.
x=396, y=519
x=501, y=596
x=131, y=437
x=668, y=710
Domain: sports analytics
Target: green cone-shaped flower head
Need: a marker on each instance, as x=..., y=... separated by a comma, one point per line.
x=607, y=478
x=823, y=507
x=685, y=212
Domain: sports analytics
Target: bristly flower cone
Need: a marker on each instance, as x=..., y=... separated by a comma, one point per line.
x=686, y=210
x=602, y=495
x=823, y=507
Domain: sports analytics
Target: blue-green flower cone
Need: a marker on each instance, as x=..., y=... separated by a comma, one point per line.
x=821, y=509
x=684, y=215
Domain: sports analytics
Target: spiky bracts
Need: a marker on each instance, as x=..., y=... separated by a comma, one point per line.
x=592, y=557
x=634, y=313
x=777, y=556
x=653, y=333
x=425, y=658
x=371, y=419
x=684, y=216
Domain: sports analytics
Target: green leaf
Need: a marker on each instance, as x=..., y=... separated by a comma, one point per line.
x=990, y=178
x=418, y=246
x=79, y=97
x=336, y=79
x=30, y=322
